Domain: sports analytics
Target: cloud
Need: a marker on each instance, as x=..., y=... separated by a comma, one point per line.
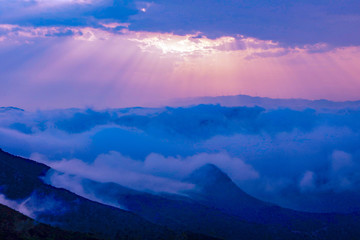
x=68, y=13
x=307, y=182
x=50, y=67
x=296, y=158
x=292, y=23
x=18, y=206
x=76, y=185
x=46, y=142
x=297, y=23
x=114, y=167
x=61, y=2
x=341, y=160
x=343, y=173
x=156, y=173
x=81, y=53
x=35, y=205
x=298, y=164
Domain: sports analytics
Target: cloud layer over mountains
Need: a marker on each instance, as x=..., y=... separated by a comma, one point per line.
x=303, y=159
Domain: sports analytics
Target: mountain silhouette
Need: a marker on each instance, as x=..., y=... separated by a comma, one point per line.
x=20, y=179
x=266, y=102
x=15, y=226
x=216, y=190
x=213, y=185
x=215, y=209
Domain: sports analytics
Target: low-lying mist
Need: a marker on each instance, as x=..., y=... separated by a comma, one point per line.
x=302, y=159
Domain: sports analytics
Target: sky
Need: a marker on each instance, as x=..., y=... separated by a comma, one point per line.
x=120, y=53
x=76, y=65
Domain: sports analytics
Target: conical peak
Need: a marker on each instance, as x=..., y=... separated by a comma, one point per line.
x=208, y=173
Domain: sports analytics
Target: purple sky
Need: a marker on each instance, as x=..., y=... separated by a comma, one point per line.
x=102, y=53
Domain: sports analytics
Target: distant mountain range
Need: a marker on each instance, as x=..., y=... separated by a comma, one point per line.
x=215, y=209
x=265, y=102
x=243, y=100
x=5, y=109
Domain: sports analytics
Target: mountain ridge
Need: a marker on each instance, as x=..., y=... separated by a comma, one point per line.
x=62, y=208
x=266, y=102
x=162, y=217
x=16, y=226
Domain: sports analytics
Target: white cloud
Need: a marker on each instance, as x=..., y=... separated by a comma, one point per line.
x=74, y=184
x=278, y=155
x=340, y=160
x=156, y=174
x=114, y=167
x=34, y=205
x=307, y=182
x=19, y=206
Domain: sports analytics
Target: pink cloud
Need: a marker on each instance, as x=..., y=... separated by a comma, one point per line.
x=98, y=68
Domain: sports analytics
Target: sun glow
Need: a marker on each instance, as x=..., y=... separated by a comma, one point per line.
x=184, y=45
x=142, y=68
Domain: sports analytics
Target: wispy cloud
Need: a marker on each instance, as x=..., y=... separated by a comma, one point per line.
x=144, y=68
x=155, y=173
x=34, y=205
